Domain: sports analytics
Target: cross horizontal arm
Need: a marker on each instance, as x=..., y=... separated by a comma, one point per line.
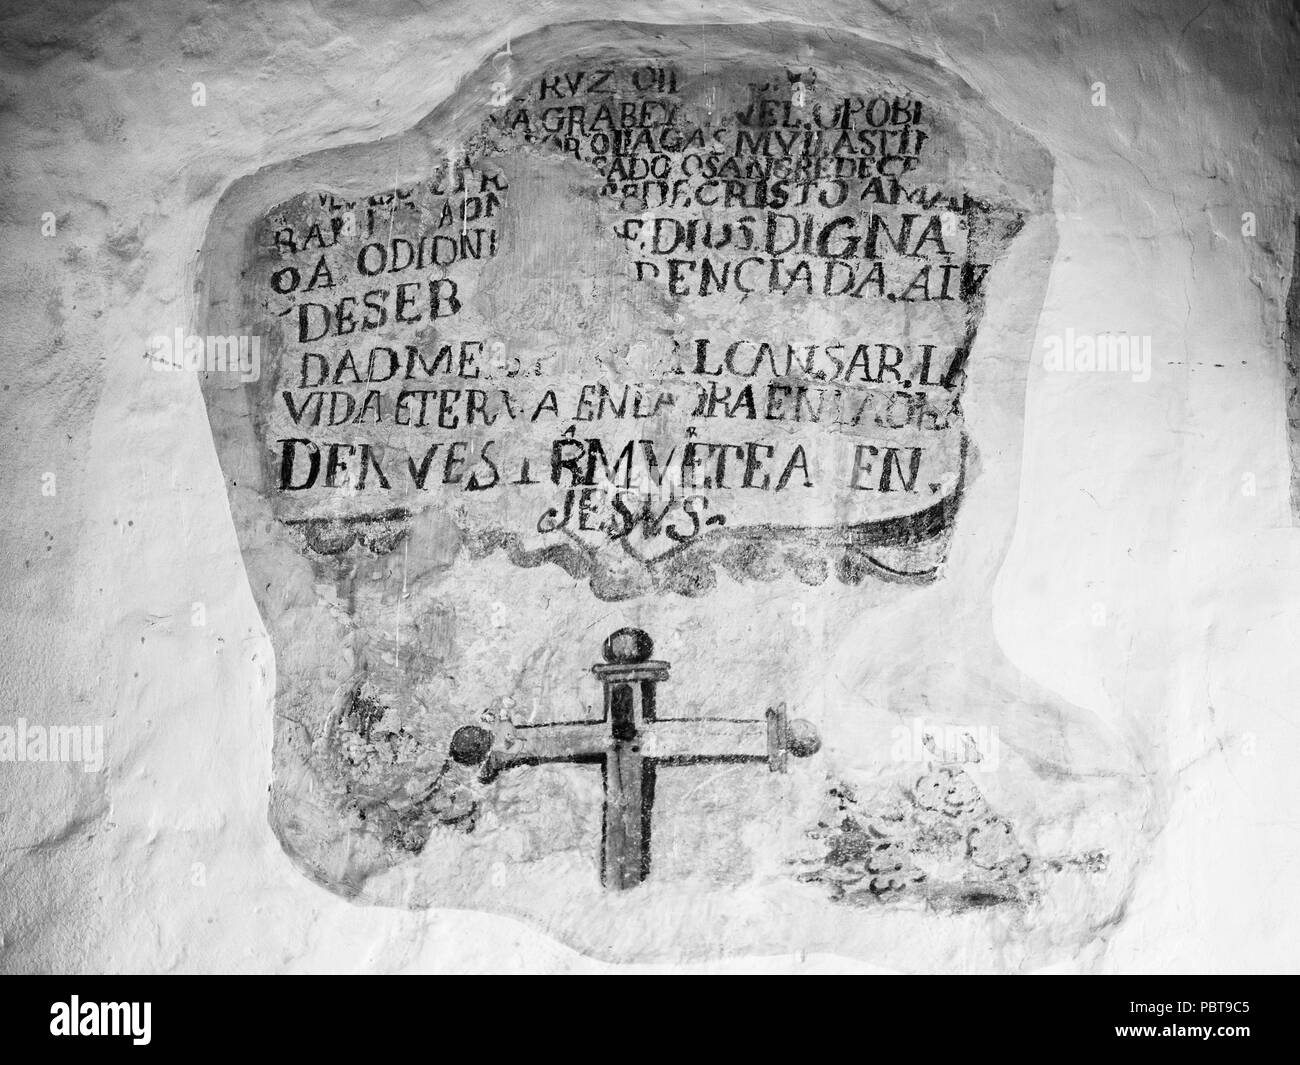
x=562, y=742
x=705, y=739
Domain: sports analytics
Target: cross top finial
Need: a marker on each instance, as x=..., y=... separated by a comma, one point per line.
x=628, y=647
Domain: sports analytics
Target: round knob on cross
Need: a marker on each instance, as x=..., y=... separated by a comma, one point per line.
x=470, y=744
x=801, y=738
x=786, y=735
x=628, y=647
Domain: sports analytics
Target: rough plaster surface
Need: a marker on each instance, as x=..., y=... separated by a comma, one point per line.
x=1148, y=581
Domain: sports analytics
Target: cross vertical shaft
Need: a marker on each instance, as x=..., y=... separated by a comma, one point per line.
x=629, y=777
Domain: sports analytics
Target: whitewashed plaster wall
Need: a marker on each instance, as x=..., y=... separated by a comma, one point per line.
x=1163, y=503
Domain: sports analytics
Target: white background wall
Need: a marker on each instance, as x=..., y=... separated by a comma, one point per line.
x=1134, y=496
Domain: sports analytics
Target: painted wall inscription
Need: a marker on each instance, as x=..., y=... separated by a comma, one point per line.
x=641, y=325
x=664, y=335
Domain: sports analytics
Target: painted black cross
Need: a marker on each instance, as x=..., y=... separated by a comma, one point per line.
x=629, y=741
